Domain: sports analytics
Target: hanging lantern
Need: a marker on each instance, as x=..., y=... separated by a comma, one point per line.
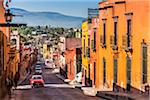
x=8, y=16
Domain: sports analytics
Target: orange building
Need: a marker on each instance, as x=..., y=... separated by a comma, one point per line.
x=122, y=42
x=93, y=33
x=72, y=56
x=4, y=50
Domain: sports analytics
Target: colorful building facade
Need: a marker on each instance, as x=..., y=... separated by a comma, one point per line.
x=93, y=43
x=4, y=50
x=73, y=57
x=122, y=44
x=85, y=57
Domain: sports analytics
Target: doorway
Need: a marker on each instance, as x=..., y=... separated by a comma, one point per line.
x=128, y=74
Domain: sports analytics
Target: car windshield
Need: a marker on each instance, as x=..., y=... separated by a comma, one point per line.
x=37, y=77
x=37, y=68
x=39, y=63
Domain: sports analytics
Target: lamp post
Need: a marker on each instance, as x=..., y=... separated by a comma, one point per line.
x=8, y=19
x=8, y=16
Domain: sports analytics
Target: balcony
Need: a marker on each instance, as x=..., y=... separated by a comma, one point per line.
x=126, y=43
x=102, y=44
x=112, y=43
x=93, y=45
x=12, y=52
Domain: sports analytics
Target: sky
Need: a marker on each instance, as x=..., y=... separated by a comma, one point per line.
x=67, y=7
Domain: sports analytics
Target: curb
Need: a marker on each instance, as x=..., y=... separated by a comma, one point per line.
x=60, y=77
x=113, y=96
x=21, y=81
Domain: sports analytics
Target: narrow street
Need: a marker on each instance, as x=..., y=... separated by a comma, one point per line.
x=53, y=91
x=74, y=49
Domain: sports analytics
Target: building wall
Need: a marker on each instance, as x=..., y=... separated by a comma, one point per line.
x=70, y=56
x=140, y=32
x=95, y=23
x=3, y=29
x=84, y=46
x=45, y=52
x=62, y=44
x=5, y=32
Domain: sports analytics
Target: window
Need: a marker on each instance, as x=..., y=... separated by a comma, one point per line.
x=94, y=46
x=144, y=64
x=94, y=73
x=78, y=59
x=128, y=69
x=115, y=30
x=129, y=33
x=88, y=52
x=128, y=74
x=115, y=33
x=104, y=71
x=84, y=47
x=115, y=70
x=104, y=32
x=89, y=71
x=89, y=41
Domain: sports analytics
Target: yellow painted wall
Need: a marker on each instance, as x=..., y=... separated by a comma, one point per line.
x=84, y=36
x=45, y=52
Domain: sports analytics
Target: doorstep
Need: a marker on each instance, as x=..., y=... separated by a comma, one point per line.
x=90, y=91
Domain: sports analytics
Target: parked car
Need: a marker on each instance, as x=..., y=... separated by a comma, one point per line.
x=37, y=81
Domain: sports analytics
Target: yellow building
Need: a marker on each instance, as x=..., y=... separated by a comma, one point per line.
x=124, y=60
x=84, y=50
x=45, y=52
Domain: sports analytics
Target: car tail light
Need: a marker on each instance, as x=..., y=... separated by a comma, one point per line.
x=32, y=82
x=42, y=81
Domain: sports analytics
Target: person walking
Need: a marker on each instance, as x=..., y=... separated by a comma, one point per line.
x=16, y=79
x=9, y=85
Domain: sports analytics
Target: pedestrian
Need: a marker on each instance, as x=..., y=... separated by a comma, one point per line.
x=9, y=83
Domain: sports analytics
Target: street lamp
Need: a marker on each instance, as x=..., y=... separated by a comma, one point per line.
x=8, y=16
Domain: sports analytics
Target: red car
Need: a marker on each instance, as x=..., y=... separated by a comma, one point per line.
x=37, y=81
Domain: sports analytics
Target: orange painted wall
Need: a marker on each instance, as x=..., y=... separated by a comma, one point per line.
x=6, y=35
x=95, y=24
x=70, y=56
x=140, y=30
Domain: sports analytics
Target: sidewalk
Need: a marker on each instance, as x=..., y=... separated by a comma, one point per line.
x=61, y=77
x=22, y=80
x=26, y=77
x=19, y=83
x=86, y=90
x=110, y=95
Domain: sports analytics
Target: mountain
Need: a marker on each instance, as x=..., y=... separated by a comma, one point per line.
x=46, y=18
